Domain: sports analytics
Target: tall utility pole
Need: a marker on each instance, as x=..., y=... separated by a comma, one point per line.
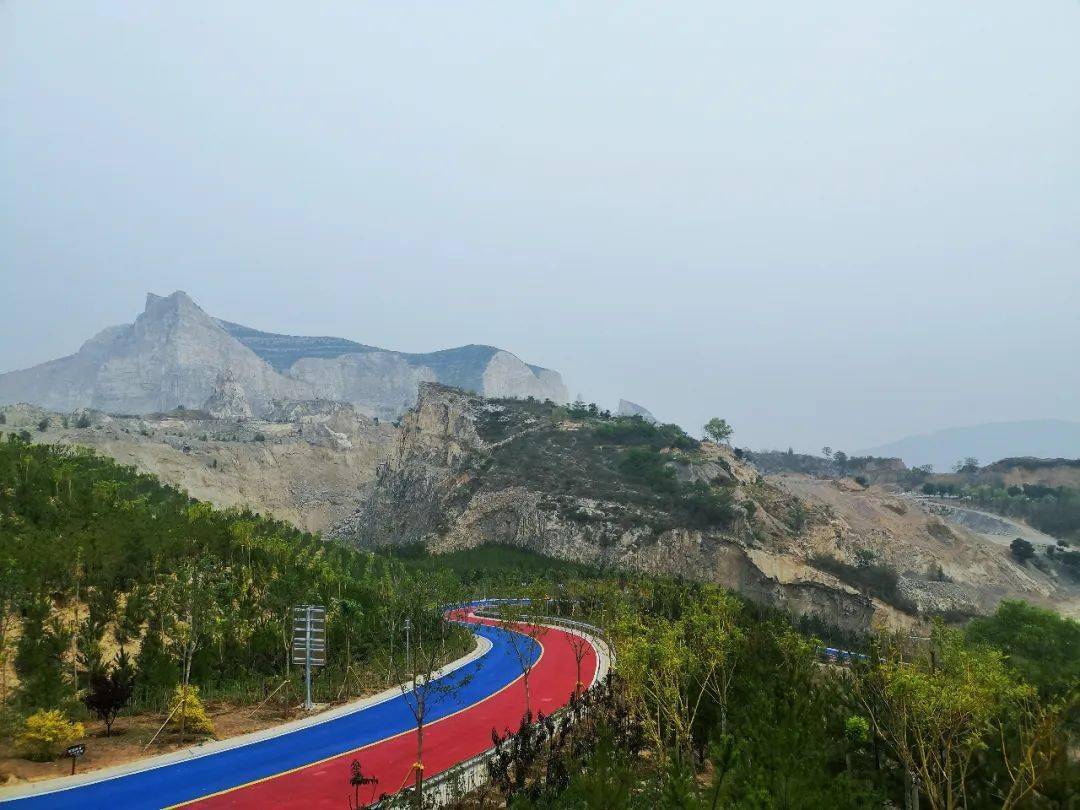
x=408, y=658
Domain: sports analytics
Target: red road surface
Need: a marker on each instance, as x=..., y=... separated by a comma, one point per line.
x=447, y=741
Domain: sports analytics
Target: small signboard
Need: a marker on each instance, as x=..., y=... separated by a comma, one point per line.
x=309, y=635
x=75, y=751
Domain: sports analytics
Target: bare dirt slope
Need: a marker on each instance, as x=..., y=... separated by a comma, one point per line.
x=942, y=565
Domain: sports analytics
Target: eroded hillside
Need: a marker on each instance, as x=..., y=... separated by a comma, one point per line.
x=460, y=471
x=304, y=465
x=585, y=486
x=939, y=565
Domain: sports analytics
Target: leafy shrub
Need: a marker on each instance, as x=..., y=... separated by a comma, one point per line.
x=1070, y=560
x=876, y=578
x=1022, y=550
x=705, y=507
x=649, y=467
x=633, y=430
x=46, y=733
x=188, y=712
x=83, y=421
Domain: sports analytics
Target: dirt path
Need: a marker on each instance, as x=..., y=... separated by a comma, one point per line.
x=995, y=528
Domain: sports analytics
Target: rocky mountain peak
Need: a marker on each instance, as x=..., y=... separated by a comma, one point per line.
x=176, y=354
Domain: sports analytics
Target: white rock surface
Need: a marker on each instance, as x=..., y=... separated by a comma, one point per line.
x=172, y=355
x=381, y=384
x=628, y=408
x=507, y=376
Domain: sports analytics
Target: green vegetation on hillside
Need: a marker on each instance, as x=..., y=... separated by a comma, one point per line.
x=624, y=460
x=719, y=703
x=98, y=560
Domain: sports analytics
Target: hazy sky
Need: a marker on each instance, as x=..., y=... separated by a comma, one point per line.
x=829, y=222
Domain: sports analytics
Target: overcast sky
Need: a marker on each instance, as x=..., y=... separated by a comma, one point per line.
x=830, y=222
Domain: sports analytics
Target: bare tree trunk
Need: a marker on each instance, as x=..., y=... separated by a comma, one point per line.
x=528, y=705
x=420, y=764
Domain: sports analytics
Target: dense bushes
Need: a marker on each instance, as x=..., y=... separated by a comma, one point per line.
x=721, y=705
x=635, y=431
x=93, y=550
x=878, y=579
x=645, y=465
x=46, y=735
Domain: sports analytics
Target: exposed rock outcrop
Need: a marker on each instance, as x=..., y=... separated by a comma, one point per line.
x=175, y=354
x=940, y=566
x=381, y=384
x=628, y=408
x=437, y=487
x=228, y=400
x=507, y=376
x=172, y=355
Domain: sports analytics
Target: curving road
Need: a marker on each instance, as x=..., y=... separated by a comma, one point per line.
x=309, y=766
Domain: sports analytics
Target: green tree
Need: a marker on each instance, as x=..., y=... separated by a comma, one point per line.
x=40, y=656
x=718, y=430
x=936, y=706
x=1041, y=646
x=1022, y=550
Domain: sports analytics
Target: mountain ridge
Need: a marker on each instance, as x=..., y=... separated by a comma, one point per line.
x=988, y=442
x=175, y=354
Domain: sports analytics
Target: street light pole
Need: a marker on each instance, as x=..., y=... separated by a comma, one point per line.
x=408, y=657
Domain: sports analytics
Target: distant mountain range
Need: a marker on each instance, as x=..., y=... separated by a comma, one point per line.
x=174, y=354
x=1040, y=438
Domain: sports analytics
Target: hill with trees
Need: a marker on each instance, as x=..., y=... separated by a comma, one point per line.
x=577, y=483
x=116, y=590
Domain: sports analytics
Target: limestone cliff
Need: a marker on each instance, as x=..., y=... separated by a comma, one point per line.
x=467, y=471
x=175, y=354
x=172, y=355
x=381, y=384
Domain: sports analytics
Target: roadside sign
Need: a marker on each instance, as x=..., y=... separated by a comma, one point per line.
x=309, y=643
x=309, y=635
x=75, y=751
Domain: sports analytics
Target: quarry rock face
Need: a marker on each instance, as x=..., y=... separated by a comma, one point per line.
x=628, y=408
x=228, y=400
x=507, y=376
x=382, y=384
x=174, y=354
x=305, y=466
